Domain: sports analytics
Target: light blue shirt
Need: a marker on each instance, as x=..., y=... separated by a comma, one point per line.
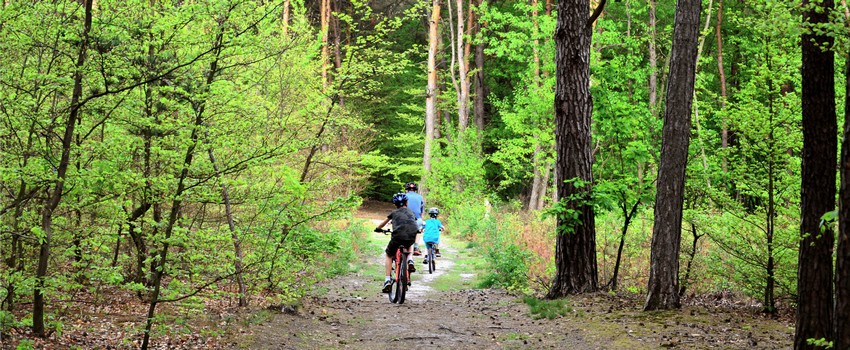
x=432, y=231
x=416, y=203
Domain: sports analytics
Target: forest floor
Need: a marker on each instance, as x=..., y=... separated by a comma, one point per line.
x=444, y=310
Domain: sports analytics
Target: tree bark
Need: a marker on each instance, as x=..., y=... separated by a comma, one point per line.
x=55, y=195
x=842, y=264
x=463, y=97
x=817, y=197
x=575, y=249
x=479, y=111
x=666, y=234
x=324, y=13
x=841, y=337
x=431, y=92
x=724, y=133
x=285, y=18
x=653, y=62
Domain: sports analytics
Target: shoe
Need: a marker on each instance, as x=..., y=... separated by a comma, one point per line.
x=417, y=252
x=437, y=254
x=425, y=261
x=411, y=266
x=388, y=285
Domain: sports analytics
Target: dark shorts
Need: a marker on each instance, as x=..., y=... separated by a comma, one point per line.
x=394, y=244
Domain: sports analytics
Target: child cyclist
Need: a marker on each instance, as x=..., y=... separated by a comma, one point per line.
x=431, y=234
x=404, y=235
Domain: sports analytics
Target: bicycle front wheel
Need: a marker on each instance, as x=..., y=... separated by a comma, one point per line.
x=432, y=264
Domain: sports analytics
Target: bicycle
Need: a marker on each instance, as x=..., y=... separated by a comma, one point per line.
x=430, y=257
x=401, y=278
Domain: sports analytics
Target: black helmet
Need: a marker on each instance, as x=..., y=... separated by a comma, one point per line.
x=410, y=186
x=433, y=212
x=400, y=199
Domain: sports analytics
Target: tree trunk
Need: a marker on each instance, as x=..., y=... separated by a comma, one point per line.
x=337, y=49
x=724, y=133
x=841, y=337
x=627, y=219
x=575, y=250
x=479, y=111
x=842, y=265
x=653, y=62
x=285, y=19
x=769, y=305
x=55, y=195
x=231, y=224
x=663, y=291
x=431, y=92
x=536, y=162
x=463, y=97
x=324, y=13
x=691, y=255
x=817, y=197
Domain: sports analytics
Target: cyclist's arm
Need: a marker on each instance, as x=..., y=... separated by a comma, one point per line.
x=382, y=224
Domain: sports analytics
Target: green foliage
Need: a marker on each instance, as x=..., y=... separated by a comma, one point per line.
x=820, y=343
x=549, y=309
x=508, y=265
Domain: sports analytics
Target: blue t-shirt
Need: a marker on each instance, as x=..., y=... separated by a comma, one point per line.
x=416, y=203
x=432, y=231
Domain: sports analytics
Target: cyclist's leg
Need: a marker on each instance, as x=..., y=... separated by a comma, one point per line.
x=389, y=255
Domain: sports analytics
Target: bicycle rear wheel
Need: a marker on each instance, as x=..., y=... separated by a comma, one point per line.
x=404, y=279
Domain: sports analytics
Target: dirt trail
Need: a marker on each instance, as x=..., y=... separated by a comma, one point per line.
x=354, y=314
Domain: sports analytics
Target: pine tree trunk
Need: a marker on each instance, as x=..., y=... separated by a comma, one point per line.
x=285, y=18
x=814, y=270
x=663, y=287
x=463, y=97
x=479, y=111
x=653, y=62
x=575, y=249
x=431, y=92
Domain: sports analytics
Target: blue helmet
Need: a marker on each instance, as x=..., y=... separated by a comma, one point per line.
x=433, y=212
x=400, y=199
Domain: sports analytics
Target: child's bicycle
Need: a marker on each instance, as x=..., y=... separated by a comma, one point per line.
x=430, y=257
x=401, y=277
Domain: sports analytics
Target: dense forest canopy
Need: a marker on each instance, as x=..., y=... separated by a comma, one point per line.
x=174, y=150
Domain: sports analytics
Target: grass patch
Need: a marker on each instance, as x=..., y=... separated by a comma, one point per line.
x=258, y=317
x=549, y=309
x=513, y=336
x=466, y=272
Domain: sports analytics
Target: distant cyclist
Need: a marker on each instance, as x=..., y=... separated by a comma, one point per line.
x=431, y=234
x=417, y=204
x=404, y=235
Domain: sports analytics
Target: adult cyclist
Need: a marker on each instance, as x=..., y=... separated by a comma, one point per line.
x=417, y=204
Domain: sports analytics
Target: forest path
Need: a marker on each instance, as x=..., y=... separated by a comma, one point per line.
x=442, y=311
x=350, y=312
